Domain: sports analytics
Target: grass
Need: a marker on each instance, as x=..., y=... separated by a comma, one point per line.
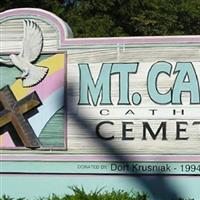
x=80, y=194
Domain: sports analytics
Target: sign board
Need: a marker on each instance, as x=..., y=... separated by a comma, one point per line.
x=103, y=105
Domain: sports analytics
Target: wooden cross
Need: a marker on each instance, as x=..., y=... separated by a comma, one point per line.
x=12, y=112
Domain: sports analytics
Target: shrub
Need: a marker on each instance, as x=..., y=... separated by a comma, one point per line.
x=80, y=194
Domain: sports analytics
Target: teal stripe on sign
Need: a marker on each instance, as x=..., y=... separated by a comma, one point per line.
x=132, y=168
x=53, y=133
x=8, y=75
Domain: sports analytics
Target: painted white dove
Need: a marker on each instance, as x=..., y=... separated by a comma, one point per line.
x=31, y=49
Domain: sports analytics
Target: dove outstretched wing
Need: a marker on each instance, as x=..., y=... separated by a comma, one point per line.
x=32, y=42
x=31, y=49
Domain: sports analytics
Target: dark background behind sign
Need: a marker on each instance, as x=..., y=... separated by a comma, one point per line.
x=112, y=18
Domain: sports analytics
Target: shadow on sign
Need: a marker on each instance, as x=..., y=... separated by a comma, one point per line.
x=157, y=186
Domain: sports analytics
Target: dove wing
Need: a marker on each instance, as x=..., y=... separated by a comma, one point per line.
x=32, y=42
x=6, y=61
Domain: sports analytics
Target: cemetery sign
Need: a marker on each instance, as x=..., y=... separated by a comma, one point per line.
x=112, y=102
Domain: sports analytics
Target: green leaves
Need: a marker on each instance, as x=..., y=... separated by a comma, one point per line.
x=94, y=18
x=98, y=194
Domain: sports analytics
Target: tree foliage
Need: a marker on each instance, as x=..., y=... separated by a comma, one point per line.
x=94, y=18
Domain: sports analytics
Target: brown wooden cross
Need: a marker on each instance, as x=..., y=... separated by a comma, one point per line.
x=13, y=111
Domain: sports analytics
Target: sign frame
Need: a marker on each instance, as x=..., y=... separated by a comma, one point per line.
x=64, y=44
